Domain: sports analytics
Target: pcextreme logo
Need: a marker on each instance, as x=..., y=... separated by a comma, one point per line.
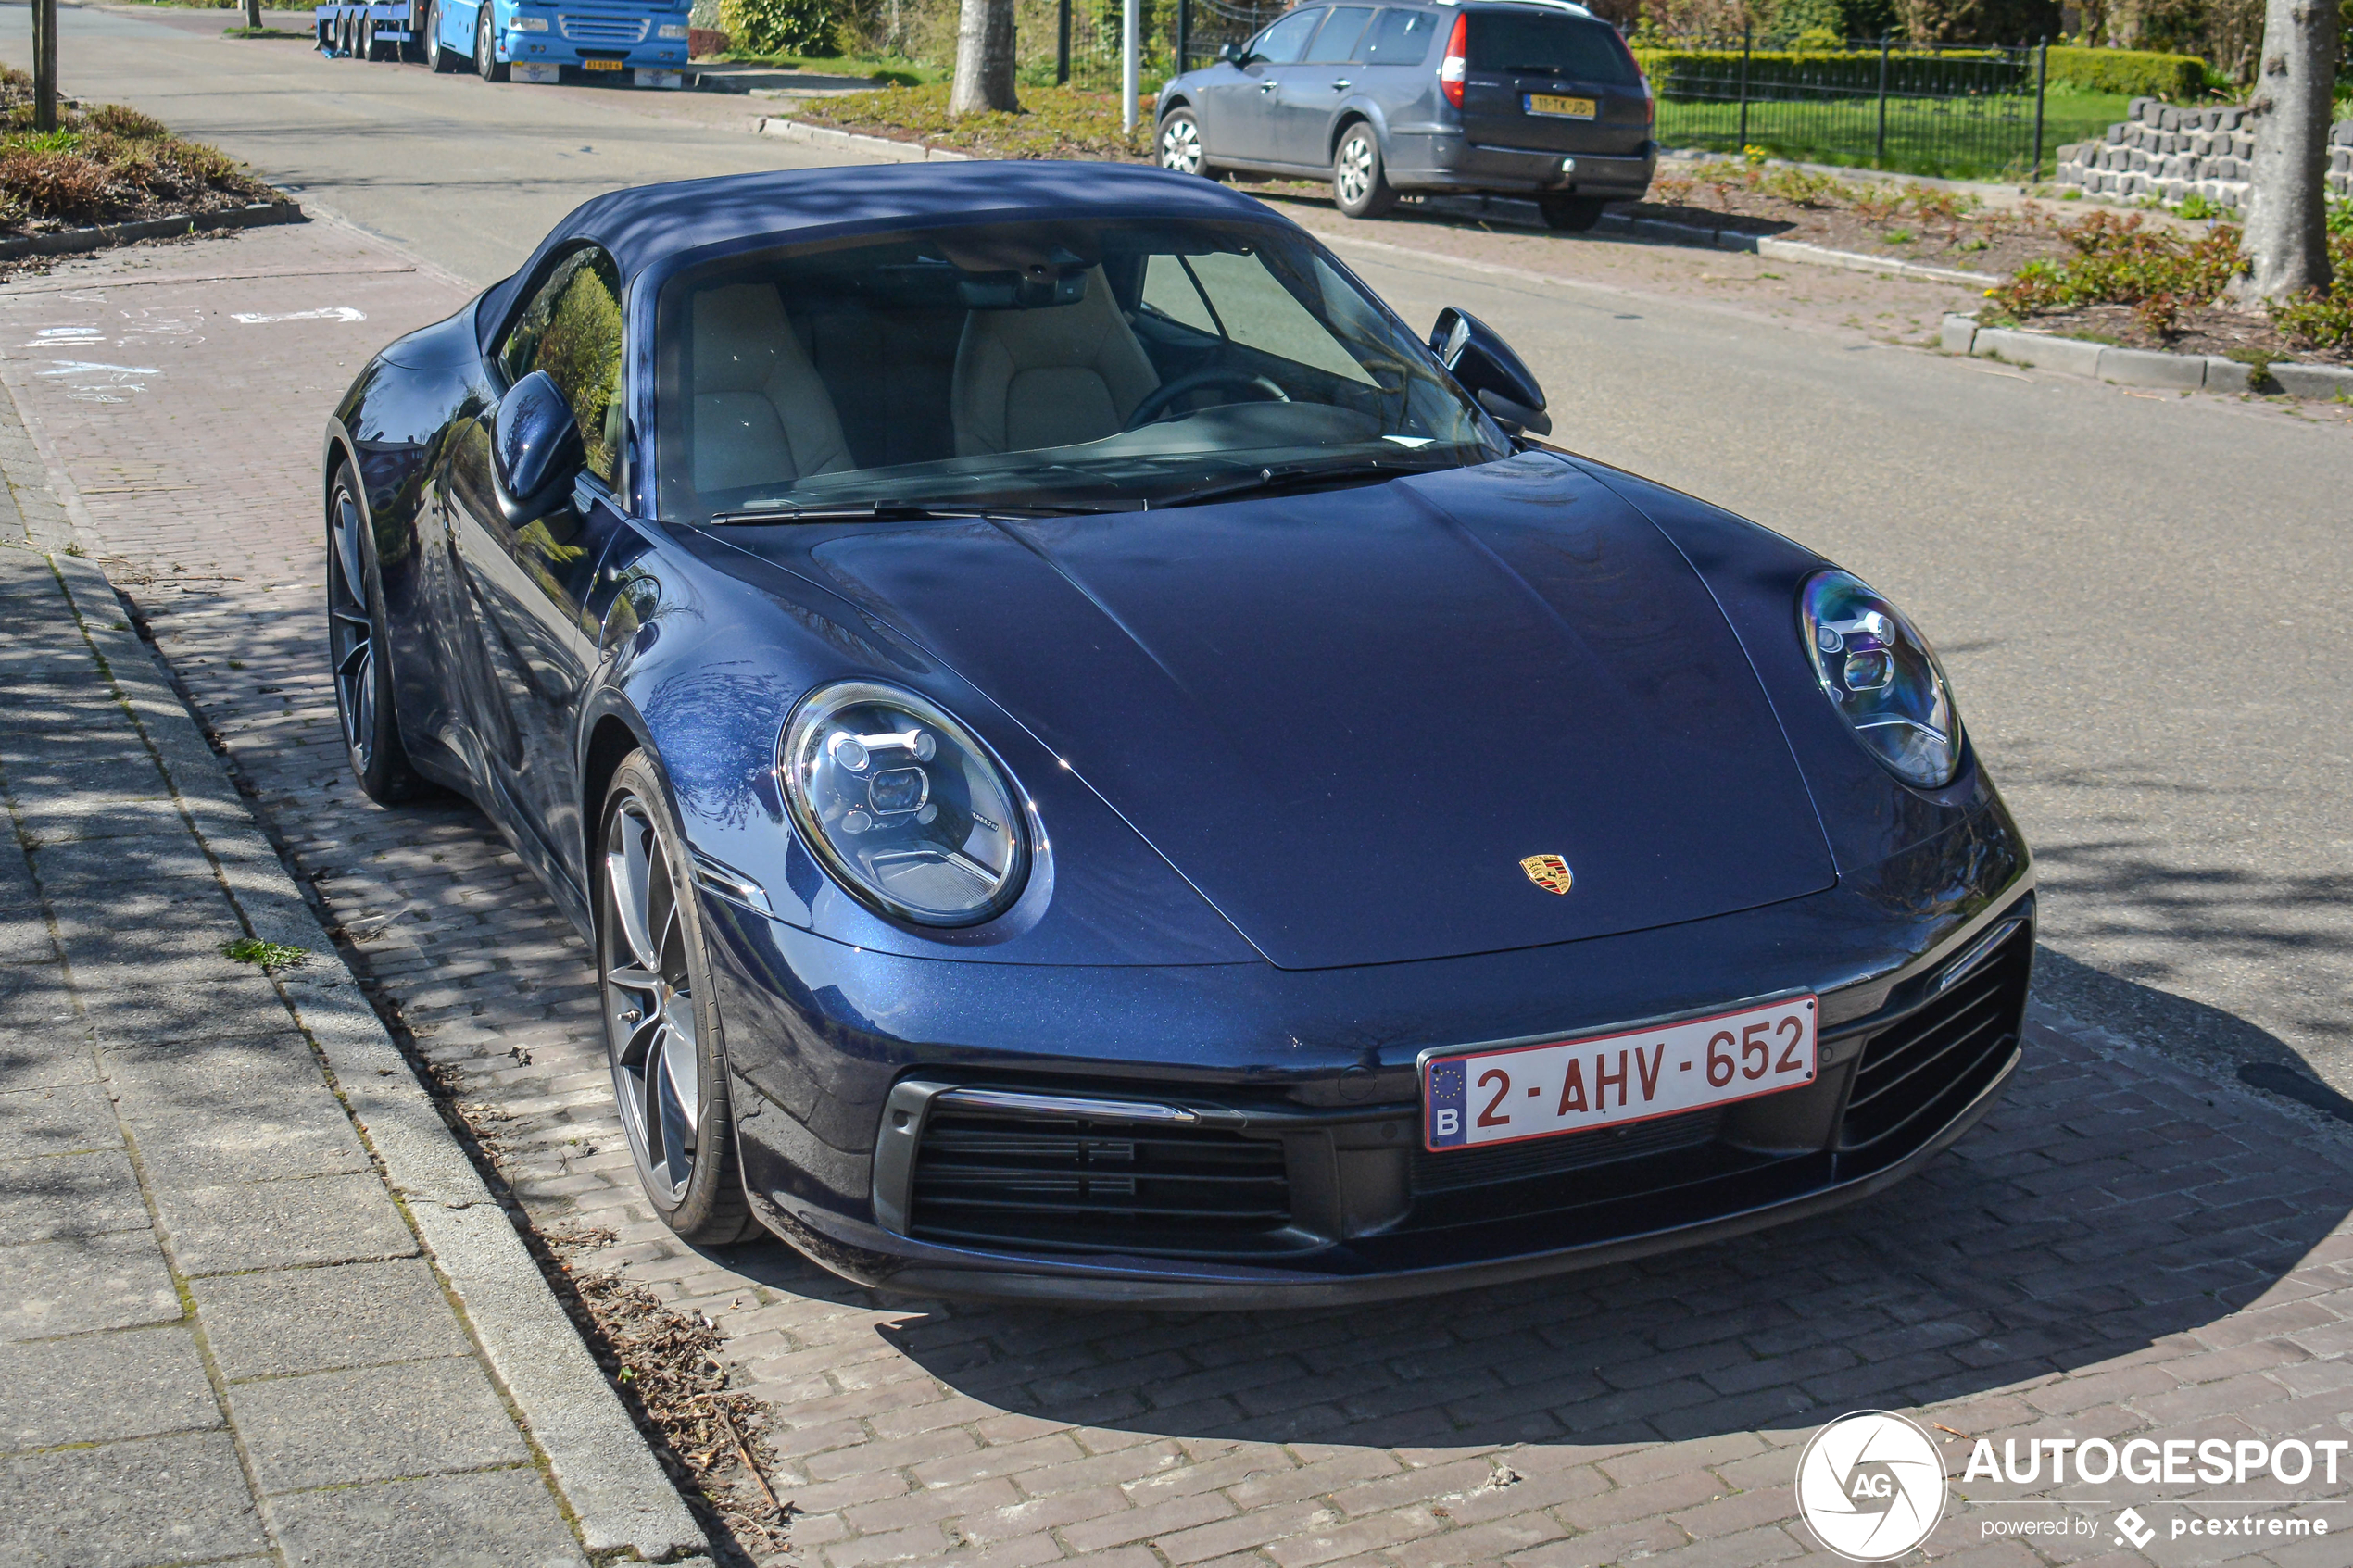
x=1870, y=1485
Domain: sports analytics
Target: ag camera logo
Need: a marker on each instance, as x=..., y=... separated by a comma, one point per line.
x=1870, y=1485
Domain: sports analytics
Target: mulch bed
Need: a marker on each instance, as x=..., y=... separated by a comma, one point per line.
x=1995, y=241
x=2218, y=329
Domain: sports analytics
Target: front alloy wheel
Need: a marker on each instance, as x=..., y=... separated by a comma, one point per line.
x=669, y=1073
x=1180, y=143
x=485, y=48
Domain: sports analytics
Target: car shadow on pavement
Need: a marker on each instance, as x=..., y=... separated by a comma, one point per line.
x=2112, y=1200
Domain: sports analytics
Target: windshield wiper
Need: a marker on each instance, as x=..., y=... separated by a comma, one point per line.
x=1271, y=480
x=847, y=511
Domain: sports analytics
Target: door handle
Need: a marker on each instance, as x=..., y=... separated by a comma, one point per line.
x=1266, y=87
x=1341, y=86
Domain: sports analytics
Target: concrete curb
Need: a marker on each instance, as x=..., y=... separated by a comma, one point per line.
x=2138, y=366
x=619, y=1498
x=858, y=142
x=256, y=215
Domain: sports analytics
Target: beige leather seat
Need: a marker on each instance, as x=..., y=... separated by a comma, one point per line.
x=1051, y=377
x=761, y=414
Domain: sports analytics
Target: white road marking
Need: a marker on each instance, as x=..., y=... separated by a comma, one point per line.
x=331, y=313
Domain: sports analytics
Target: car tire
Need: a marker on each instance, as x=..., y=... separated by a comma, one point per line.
x=1360, y=183
x=1180, y=149
x=368, y=39
x=439, y=55
x=486, y=64
x=356, y=652
x=1571, y=215
x=661, y=1017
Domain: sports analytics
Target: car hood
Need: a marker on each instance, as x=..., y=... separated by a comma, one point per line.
x=1348, y=717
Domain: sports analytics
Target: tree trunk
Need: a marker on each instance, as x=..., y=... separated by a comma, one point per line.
x=44, y=65
x=2286, y=229
x=984, y=58
x=253, y=14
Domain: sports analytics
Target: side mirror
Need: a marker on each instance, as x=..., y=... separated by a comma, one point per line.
x=535, y=449
x=1487, y=368
x=1231, y=54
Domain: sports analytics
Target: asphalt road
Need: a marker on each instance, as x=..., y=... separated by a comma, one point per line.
x=2143, y=599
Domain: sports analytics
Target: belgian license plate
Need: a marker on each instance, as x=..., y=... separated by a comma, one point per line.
x=1548, y=103
x=601, y=65
x=1539, y=1091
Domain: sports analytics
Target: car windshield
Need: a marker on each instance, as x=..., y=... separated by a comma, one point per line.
x=1049, y=366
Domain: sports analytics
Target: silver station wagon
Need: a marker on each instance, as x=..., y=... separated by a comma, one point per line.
x=1531, y=98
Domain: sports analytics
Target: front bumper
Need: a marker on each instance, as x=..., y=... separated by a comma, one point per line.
x=848, y=1155
x=551, y=48
x=1455, y=163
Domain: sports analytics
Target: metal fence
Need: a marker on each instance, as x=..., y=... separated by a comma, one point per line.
x=1177, y=36
x=1964, y=109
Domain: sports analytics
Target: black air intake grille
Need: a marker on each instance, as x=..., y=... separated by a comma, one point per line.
x=1920, y=1071
x=1455, y=1169
x=992, y=1178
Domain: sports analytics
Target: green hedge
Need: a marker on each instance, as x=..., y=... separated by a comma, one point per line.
x=1713, y=74
x=781, y=27
x=2134, y=72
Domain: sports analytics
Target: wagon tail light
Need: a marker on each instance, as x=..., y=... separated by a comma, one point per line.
x=1451, y=68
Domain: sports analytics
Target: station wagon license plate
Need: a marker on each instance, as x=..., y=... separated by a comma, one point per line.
x=1548, y=103
x=1515, y=1093
x=601, y=65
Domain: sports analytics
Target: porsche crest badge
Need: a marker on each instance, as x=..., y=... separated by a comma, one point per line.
x=1549, y=872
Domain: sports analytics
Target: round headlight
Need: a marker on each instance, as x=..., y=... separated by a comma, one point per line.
x=1879, y=671
x=903, y=805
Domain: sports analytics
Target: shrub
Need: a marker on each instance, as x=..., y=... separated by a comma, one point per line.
x=2119, y=260
x=780, y=26
x=54, y=185
x=206, y=166
x=128, y=123
x=2134, y=72
x=2323, y=320
x=1705, y=75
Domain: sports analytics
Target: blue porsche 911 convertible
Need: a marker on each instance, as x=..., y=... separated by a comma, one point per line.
x=1097, y=764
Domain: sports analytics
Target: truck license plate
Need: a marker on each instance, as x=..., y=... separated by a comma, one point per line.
x=1514, y=1093
x=601, y=65
x=1547, y=103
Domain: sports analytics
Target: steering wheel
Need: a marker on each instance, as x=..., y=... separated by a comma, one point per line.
x=1156, y=403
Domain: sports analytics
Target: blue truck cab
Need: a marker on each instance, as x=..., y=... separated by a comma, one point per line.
x=639, y=42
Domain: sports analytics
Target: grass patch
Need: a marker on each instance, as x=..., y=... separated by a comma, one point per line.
x=1944, y=138
x=1056, y=122
x=270, y=956
x=881, y=69
x=266, y=32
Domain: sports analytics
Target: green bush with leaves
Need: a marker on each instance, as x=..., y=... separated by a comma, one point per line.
x=2323, y=320
x=1701, y=75
x=781, y=27
x=2123, y=260
x=2134, y=72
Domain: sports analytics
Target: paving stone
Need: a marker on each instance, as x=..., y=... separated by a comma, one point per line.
x=126, y=1505
x=280, y=1224
x=53, y=1287
x=65, y=1119
x=489, y=1519
x=289, y=1320
x=69, y=1195
x=274, y=1139
x=372, y=1424
x=104, y=1387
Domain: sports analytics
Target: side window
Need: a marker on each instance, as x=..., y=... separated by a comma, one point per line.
x=1337, y=40
x=1258, y=312
x=1401, y=38
x=1281, y=43
x=572, y=330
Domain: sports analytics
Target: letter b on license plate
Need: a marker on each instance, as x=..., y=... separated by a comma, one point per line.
x=1541, y=1090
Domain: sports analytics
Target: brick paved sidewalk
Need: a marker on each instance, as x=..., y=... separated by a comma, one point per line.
x=224, y=1338
x=2123, y=1250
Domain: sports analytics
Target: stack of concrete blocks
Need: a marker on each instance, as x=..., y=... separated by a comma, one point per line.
x=2173, y=153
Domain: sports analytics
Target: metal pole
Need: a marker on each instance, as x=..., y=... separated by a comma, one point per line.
x=1880, y=158
x=1062, y=44
x=1129, y=25
x=44, y=65
x=1184, y=36
x=1748, y=40
x=2042, y=67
